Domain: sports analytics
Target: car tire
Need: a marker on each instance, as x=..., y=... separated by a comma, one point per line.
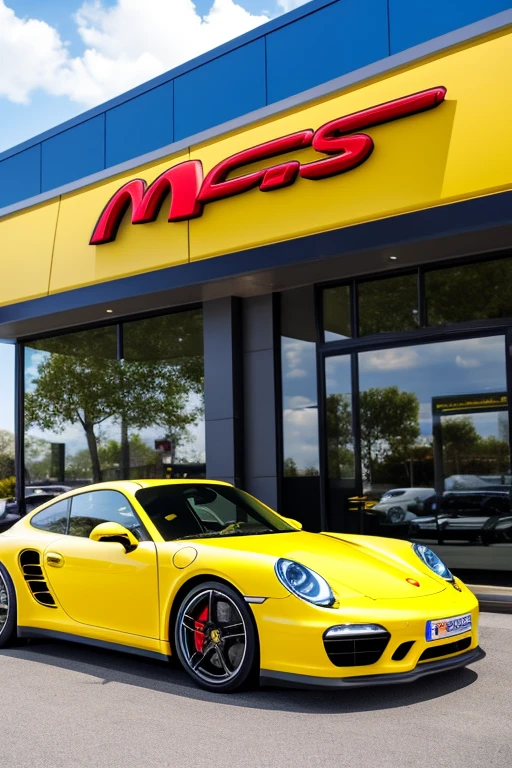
x=215, y=638
x=8, y=610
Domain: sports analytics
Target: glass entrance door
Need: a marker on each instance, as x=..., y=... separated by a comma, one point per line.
x=343, y=481
x=435, y=450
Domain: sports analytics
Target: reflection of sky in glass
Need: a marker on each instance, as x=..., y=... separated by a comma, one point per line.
x=7, y=387
x=469, y=366
x=300, y=412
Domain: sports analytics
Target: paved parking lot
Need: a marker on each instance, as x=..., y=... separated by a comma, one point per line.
x=65, y=705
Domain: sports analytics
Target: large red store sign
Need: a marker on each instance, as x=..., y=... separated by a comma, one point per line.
x=190, y=190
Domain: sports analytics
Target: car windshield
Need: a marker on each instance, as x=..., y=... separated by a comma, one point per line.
x=191, y=511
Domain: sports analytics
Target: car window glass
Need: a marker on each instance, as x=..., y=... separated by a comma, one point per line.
x=53, y=519
x=186, y=511
x=90, y=509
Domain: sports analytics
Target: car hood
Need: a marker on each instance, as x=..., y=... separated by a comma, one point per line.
x=369, y=566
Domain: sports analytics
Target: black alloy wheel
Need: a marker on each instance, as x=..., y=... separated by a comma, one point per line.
x=215, y=638
x=8, y=626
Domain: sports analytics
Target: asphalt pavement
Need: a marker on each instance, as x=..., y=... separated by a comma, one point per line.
x=69, y=706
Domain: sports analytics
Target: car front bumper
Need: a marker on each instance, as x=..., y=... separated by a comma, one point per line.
x=293, y=651
x=290, y=680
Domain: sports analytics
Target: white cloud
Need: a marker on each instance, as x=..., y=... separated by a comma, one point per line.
x=467, y=362
x=298, y=357
x=125, y=45
x=31, y=55
x=289, y=5
x=297, y=402
x=300, y=436
x=390, y=360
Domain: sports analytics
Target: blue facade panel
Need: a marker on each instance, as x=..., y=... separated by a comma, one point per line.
x=20, y=176
x=412, y=23
x=141, y=125
x=74, y=153
x=326, y=44
x=220, y=90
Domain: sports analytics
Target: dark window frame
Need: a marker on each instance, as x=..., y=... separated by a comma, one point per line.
x=420, y=271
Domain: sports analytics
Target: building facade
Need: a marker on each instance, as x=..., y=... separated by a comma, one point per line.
x=287, y=264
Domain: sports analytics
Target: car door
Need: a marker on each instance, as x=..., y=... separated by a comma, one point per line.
x=98, y=583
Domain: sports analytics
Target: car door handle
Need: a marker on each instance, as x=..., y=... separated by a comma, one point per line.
x=54, y=559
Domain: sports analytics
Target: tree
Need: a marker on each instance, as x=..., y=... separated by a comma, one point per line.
x=459, y=438
x=466, y=451
x=82, y=381
x=340, y=453
x=290, y=467
x=6, y=465
x=7, y=442
x=389, y=425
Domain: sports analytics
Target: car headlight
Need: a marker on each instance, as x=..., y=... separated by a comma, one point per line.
x=304, y=582
x=433, y=562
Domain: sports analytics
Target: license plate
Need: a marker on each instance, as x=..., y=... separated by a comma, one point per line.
x=438, y=629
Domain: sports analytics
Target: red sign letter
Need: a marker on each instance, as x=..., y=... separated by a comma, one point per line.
x=350, y=151
x=216, y=184
x=183, y=182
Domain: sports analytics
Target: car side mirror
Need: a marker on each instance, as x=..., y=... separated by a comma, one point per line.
x=292, y=522
x=114, y=532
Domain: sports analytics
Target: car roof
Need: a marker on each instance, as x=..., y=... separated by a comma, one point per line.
x=133, y=485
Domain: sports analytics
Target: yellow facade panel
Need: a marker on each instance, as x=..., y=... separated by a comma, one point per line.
x=136, y=249
x=456, y=151
x=26, y=244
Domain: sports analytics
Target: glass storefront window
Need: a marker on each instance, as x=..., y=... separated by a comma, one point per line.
x=299, y=384
x=163, y=427
x=7, y=486
x=336, y=313
x=435, y=453
x=405, y=392
x=72, y=405
x=91, y=416
x=388, y=305
x=338, y=416
x=469, y=292
x=300, y=485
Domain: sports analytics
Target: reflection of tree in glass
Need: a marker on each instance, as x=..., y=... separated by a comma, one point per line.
x=82, y=382
x=78, y=466
x=38, y=459
x=466, y=451
x=469, y=292
x=6, y=453
x=290, y=467
x=340, y=453
x=389, y=425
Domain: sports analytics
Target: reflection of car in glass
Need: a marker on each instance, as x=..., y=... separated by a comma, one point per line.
x=472, y=515
x=9, y=513
x=402, y=504
x=204, y=571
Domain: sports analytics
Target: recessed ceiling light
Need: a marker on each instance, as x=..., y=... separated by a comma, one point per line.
x=109, y=311
x=393, y=258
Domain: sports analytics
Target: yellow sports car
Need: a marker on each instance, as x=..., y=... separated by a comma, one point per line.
x=203, y=570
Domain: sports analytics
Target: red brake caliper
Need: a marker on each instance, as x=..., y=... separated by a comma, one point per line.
x=199, y=636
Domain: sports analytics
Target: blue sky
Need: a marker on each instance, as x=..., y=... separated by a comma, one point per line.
x=61, y=57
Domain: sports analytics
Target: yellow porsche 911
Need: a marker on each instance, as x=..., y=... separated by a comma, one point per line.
x=204, y=571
